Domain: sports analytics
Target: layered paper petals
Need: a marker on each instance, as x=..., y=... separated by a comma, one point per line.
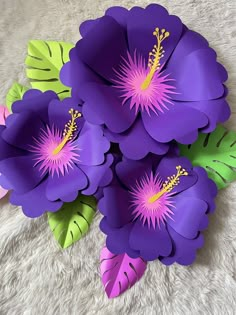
x=181, y=210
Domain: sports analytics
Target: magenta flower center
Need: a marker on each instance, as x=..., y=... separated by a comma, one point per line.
x=55, y=151
x=147, y=88
x=151, y=198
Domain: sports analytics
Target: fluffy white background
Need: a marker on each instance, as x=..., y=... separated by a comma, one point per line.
x=36, y=277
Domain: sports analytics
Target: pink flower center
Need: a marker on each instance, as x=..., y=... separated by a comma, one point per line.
x=147, y=88
x=151, y=198
x=55, y=151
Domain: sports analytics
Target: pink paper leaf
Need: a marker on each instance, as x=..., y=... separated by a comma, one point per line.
x=119, y=272
x=4, y=112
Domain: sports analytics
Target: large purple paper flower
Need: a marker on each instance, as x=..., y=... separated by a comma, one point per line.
x=156, y=208
x=146, y=76
x=49, y=153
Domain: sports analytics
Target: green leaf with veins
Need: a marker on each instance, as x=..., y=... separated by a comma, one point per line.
x=73, y=220
x=216, y=152
x=15, y=93
x=44, y=62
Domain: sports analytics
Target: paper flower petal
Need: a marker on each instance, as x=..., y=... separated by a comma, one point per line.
x=119, y=14
x=59, y=187
x=92, y=144
x=96, y=48
x=36, y=101
x=24, y=127
x=216, y=110
x=86, y=26
x=187, y=216
x=167, y=167
x=190, y=41
x=205, y=84
x=107, y=108
x=58, y=113
x=114, y=205
x=141, y=24
x=128, y=171
x=199, y=189
x=184, y=249
x=99, y=175
x=34, y=202
x=145, y=239
x=180, y=123
x=119, y=272
x=129, y=145
x=16, y=170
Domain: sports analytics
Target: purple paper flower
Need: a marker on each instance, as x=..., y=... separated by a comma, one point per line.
x=156, y=208
x=3, y=115
x=146, y=76
x=49, y=153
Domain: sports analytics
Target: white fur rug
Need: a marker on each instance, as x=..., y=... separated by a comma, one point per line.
x=38, y=278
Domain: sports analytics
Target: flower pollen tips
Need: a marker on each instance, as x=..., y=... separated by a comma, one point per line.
x=69, y=130
x=169, y=184
x=155, y=56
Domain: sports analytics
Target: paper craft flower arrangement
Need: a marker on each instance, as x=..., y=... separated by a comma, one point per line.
x=127, y=119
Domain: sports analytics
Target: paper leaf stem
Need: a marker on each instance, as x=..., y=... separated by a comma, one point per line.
x=216, y=152
x=119, y=272
x=72, y=221
x=44, y=62
x=15, y=93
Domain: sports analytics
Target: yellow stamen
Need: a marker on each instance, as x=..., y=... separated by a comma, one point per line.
x=155, y=56
x=69, y=130
x=169, y=184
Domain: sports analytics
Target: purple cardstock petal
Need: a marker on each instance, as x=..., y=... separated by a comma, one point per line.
x=129, y=171
x=87, y=26
x=216, y=111
x=122, y=234
x=75, y=73
x=119, y=14
x=187, y=215
x=34, y=203
x=167, y=167
x=92, y=145
x=142, y=23
x=58, y=112
x=179, y=121
x=152, y=243
x=184, y=249
x=96, y=49
x=115, y=206
x=136, y=143
x=102, y=106
x=25, y=126
x=60, y=186
x=205, y=84
x=35, y=101
x=16, y=170
x=100, y=175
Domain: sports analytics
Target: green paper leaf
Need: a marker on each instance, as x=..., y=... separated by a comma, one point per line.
x=72, y=221
x=44, y=61
x=216, y=152
x=15, y=93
